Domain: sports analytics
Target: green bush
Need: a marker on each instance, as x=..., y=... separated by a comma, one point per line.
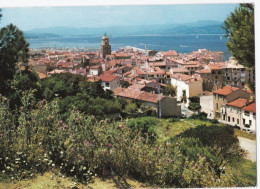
x=144, y=126
x=200, y=116
x=194, y=106
x=214, y=121
x=131, y=108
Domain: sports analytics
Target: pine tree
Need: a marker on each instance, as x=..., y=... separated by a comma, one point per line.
x=13, y=49
x=239, y=27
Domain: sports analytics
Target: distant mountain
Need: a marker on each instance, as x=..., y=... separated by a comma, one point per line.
x=28, y=35
x=200, y=27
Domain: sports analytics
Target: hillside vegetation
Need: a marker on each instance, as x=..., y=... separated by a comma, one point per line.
x=84, y=148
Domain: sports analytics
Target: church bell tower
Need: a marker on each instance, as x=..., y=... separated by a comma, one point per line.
x=105, y=47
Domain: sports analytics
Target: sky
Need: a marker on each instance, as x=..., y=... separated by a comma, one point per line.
x=27, y=18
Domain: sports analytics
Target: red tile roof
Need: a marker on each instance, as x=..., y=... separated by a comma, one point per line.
x=186, y=78
x=226, y=90
x=170, y=53
x=250, y=108
x=109, y=72
x=239, y=103
x=150, y=97
x=215, y=67
x=134, y=92
x=107, y=78
x=204, y=71
x=178, y=70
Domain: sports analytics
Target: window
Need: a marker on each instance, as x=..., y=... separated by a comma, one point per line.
x=233, y=119
x=228, y=118
x=244, y=121
x=247, y=113
x=107, y=84
x=217, y=106
x=219, y=72
x=213, y=72
x=254, y=114
x=237, y=121
x=223, y=98
x=250, y=122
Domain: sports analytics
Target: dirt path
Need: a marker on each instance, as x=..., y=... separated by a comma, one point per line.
x=249, y=146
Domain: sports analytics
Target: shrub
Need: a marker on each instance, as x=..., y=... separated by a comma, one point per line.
x=214, y=121
x=237, y=127
x=143, y=125
x=200, y=116
x=174, y=120
x=131, y=108
x=194, y=106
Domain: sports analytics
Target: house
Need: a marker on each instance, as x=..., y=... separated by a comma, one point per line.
x=249, y=117
x=162, y=106
x=234, y=111
x=95, y=70
x=223, y=96
x=206, y=103
x=187, y=86
x=153, y=87
x=109, y=82
x=212, y=77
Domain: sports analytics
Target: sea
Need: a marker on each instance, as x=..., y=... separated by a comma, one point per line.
x=179, y=43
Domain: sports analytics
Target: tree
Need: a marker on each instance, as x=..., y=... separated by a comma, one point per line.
x=169, y=90
x=152, y=53
x=222, y=140
x=13, y=49
x=239, y=27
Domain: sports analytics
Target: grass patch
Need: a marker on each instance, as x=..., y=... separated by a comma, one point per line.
x=166, y=129
x=53, y=180
x=244, y=172
x=245, y=134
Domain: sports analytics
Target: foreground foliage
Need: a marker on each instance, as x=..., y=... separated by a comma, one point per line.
x=83, y=148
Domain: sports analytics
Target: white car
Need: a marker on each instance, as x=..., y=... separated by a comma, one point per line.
x=247, y=130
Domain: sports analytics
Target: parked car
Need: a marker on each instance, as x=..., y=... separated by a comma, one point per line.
x=247, y=130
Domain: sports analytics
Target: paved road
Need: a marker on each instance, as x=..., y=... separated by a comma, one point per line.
x=249, y=146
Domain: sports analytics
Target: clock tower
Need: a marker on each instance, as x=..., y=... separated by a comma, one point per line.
x=105, y=47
